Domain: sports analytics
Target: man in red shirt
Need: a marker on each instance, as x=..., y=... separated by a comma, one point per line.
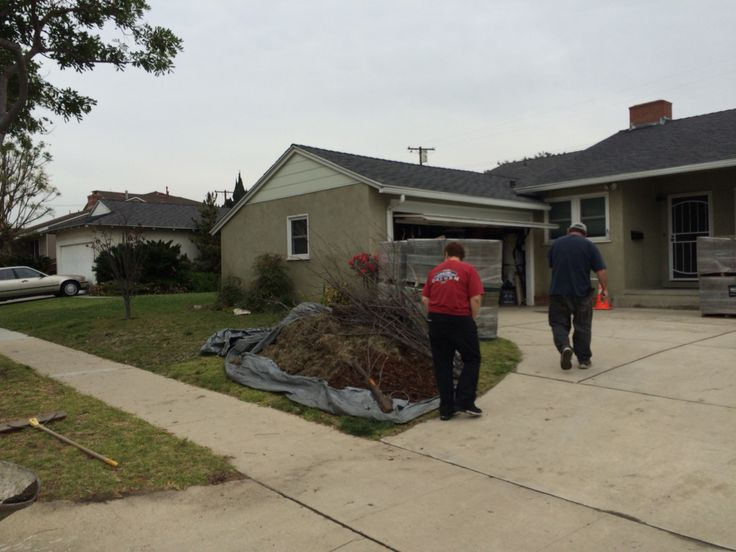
x=451, y=296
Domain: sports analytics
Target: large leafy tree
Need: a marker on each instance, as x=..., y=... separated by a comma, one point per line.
x=24, y=189
x=77, y=35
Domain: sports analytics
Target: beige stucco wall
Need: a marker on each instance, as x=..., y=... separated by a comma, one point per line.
x=610, y=248
x=342, y=222
x=641, y=205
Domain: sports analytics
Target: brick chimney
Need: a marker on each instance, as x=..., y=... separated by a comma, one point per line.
x=650, y=113
x=92, y=200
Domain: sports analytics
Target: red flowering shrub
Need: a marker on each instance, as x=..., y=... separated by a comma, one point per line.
x=365, y=265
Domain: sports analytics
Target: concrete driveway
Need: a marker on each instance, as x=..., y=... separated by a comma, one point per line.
x=637, y=453
x=647, y=433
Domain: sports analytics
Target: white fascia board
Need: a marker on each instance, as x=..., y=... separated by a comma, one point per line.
x=427, y=194
x=481, y=222
x=274, y=168
x=461, y=198
x=48, y=229
x=629, y=176
x=254, y=189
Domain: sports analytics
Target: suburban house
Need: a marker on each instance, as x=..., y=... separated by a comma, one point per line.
x=160, y=216
x=646, y=193
x=316, y=207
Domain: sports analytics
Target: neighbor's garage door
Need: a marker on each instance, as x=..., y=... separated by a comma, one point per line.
x=76, y=259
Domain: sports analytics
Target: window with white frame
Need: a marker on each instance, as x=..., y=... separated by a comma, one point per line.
x=297, y=228
x=592, y=210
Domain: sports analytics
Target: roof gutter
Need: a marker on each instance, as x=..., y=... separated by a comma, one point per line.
x=461, y=221
x=629, y=176
x=461, y=198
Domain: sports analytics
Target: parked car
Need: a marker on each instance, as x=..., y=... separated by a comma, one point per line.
x=24, y=281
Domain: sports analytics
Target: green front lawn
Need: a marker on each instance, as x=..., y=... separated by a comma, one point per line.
x=165, y=336
x=149, y=459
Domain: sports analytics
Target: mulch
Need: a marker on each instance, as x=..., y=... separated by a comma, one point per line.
x=319, y=346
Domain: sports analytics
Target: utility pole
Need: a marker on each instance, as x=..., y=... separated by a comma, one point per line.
x=223, y=192
x=422, y=153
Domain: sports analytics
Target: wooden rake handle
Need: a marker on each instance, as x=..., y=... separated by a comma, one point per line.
x=35, y=423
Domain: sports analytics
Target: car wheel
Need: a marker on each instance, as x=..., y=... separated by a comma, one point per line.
x=69, y=288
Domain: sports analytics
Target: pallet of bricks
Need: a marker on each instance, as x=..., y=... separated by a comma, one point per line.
x=717, y=275
x=408, y=262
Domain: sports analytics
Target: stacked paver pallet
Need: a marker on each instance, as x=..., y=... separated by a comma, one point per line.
x=408, y=262
x=717, y=274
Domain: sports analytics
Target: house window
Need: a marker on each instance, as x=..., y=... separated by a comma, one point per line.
x=593, y=215
x=297, y=228
x=560, y=214
x=590, y=210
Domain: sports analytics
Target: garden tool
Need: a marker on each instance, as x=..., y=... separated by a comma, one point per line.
x=13, y=425
x=35, y=423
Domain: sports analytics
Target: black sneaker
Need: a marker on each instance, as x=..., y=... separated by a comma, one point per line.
x=566, y=358
x=472, y=410
x=446, y=416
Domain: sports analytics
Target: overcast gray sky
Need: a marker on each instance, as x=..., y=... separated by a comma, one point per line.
x=480, y=81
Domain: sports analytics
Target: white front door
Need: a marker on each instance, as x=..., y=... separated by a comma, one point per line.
x=690, y=217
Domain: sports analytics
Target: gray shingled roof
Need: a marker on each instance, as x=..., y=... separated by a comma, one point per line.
x=422, y=177
x=677, y=143
x=148, y=197
x=146, y=215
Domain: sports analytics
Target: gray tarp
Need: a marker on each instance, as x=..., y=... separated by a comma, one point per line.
x=245, y=366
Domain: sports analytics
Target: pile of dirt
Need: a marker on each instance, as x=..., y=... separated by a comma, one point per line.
x=319, y=346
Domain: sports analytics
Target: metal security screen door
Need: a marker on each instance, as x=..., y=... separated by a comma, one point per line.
x=689, y=218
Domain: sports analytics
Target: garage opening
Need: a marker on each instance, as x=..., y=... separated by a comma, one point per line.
x=516, y=248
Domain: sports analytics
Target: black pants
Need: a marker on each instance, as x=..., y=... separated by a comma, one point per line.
x=448, y=334
x=563, y=308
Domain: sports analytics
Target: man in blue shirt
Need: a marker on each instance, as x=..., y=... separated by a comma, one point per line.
x=572, y=258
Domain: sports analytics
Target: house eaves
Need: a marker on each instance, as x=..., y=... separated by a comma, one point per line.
x=462, y=221
x=669, y=171
x=460, y=198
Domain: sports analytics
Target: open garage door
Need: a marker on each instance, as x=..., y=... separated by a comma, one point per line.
x=76, y=259
x=518, y=253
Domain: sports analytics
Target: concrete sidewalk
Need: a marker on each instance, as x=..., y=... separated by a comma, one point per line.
x=635, y=454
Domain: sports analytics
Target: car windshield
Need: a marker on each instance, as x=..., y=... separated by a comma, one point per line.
x=25, y=272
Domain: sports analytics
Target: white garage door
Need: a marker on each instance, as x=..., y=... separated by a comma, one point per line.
x=76, y=259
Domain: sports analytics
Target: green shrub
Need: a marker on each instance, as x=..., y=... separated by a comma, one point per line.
x=231, y=293
x=203, y=281
x=44, y=264
x=163, y=268
x=272, y=288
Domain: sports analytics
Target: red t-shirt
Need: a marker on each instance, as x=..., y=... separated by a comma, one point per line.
x=449, y=287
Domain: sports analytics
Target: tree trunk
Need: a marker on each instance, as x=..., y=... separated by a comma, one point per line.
x=126, y=303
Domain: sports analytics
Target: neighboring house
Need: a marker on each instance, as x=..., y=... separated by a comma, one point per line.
x=37, y=241
x=646, y=194
x=160, y=216
x=316, y=207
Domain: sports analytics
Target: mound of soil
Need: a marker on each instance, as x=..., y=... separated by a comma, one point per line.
x=319, y=346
